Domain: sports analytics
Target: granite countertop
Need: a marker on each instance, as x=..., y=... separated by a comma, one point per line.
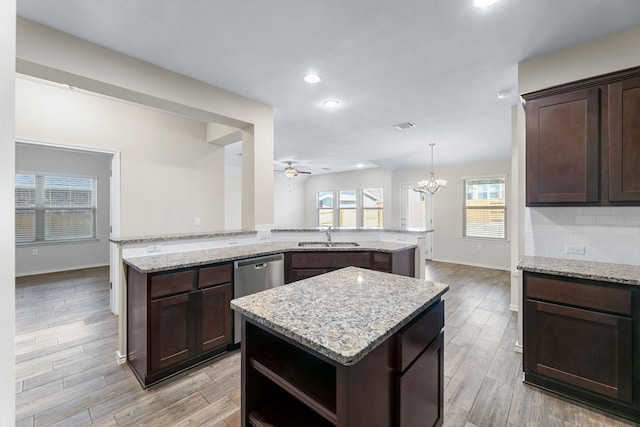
x=348, y=230
x=344, y=314
x=180, y=236
x=172, y=261
x=600, y=271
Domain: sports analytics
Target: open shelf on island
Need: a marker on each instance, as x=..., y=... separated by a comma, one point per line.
x=286, y=412
x=307, y=378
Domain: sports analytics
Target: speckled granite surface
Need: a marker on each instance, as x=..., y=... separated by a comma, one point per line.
x=183, y=236
x=344, y=314
x=348, y=230
x=171, y=261
x=617, y=273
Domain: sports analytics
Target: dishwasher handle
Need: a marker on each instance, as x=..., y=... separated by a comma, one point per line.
x=260, y=266
x=258, y=261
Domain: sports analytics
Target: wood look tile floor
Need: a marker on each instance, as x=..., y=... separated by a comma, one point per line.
x=67, y=375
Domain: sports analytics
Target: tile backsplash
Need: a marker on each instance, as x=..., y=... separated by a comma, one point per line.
x=607, y=234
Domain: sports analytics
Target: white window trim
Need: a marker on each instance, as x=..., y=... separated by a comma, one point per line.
x=507, y=209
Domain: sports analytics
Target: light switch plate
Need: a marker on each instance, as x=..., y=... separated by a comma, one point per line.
x=574, y=250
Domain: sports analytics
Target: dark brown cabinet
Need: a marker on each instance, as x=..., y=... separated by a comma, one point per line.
x=583, y=142
x=400, y=383
x=579, y=341
x=624, y=140
x=305, y=264
x=177, y=319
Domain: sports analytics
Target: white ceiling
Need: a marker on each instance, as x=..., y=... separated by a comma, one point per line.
x=437, y=63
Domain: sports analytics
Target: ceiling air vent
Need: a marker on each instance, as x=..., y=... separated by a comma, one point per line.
x=405, y=125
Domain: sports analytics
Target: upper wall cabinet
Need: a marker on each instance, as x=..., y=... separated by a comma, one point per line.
x=583, y=142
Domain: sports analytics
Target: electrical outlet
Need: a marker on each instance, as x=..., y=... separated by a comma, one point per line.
x=34, y=252
x=574, y=250
x=197, y=221
x=153, y=248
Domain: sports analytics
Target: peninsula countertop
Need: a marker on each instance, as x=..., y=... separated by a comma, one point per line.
x=172, y=261
x=344, y=314
x=599, y=271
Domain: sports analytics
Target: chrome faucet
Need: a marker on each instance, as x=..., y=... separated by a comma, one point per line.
x=327, y=232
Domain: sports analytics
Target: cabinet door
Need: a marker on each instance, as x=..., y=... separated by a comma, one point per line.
x=580, y=347
x=171, y=332
x=420, y=394
x=213, y=325
x=563, y=142
x=624, y=141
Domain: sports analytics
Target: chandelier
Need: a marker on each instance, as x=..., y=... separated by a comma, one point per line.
x=431, y=185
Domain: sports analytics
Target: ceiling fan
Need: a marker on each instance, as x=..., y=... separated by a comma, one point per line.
x=290, y=171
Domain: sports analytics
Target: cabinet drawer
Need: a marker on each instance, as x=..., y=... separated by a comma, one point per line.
x=581, y=294
x=417, y=335
x=216, y=275
x=171, y=283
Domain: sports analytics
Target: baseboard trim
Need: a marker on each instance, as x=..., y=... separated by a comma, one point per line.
x=518, y=348
x=513, y=307
x=61, y=269
x=472, y=264
x=120, y=358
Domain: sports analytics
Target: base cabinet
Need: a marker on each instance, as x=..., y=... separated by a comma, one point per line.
x=177, y=319
x=400, y=383
x=305, y=264
x=579, y=341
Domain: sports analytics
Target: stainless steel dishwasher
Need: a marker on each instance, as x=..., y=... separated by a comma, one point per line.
x=253, y=275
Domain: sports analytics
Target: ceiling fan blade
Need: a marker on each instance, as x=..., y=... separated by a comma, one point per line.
x=304, y=172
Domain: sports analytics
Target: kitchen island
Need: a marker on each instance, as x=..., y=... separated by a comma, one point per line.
x=353, y=347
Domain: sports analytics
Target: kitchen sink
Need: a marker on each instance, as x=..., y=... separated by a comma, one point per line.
x=328, y=244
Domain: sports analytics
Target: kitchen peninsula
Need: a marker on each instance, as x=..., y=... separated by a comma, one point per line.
x=353, y=347
x=177, y=311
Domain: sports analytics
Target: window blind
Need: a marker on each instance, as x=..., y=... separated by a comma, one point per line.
x=54, y=208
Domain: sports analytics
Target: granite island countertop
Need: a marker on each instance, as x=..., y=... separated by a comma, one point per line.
x=343, y=314
x=192, y=258
x=598, y=271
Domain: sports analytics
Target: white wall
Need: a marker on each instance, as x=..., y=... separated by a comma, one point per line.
x=55, y=56
x=448, y=244
x=169, y=175
x=288, y=203
x=67, y=256
x=347, y=181
x=7, y=212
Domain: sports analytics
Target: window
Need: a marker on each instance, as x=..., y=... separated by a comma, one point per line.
x=347, y=200
x=325, y=208
x=372, y=207
x=54, y=208
x=485, y=208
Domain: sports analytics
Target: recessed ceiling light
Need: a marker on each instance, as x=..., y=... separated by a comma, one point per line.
x=331, y=103
x=360, y=165
x=503, y=94
x=483, y=3
x=312, y=78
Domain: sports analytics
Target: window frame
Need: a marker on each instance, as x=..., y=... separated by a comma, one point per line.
x=40, y=209
x=364, y=209
x=500, y=178
x=332, y=208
